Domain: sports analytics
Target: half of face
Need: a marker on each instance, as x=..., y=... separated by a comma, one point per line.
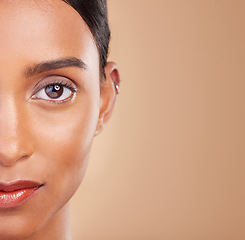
x=51, y=106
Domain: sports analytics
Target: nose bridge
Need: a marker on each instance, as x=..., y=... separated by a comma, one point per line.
x=14, y=144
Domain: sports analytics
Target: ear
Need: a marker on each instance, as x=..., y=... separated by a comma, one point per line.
x=108, y=92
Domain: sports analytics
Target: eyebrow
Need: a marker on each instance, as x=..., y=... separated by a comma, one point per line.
x=53, y=65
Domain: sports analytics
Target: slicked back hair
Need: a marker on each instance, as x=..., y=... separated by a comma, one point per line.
x=94, y=13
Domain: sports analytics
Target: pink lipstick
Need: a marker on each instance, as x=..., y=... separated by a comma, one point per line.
x=15, y=193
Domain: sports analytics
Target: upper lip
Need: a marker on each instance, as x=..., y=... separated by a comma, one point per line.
x=17, y=185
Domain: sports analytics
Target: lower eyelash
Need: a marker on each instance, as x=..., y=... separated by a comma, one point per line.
x=64, y=100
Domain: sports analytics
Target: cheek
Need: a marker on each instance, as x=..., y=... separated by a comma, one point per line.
x=63, y=140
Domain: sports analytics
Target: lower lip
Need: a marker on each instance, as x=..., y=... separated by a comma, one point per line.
x=15, y=198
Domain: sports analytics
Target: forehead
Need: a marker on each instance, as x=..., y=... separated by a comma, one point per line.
x=42, y=29
x=21, y=8
x=39, y=14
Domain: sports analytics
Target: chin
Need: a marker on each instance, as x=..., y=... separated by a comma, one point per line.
x=16, y=231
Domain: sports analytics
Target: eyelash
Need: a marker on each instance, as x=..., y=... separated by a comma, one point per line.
x=61, y=83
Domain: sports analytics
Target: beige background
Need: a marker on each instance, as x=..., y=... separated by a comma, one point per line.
x=171, y=163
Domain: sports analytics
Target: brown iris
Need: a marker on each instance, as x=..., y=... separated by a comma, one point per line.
x=54, y=91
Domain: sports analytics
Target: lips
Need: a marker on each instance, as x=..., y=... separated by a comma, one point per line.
x=15, y=193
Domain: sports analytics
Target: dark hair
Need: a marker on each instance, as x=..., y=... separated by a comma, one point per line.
x=94, y=13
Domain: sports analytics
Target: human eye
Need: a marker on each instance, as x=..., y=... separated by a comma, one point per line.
x=56, y=90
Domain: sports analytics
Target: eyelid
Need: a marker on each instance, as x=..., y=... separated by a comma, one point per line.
x=65, y=82
x=55, y=79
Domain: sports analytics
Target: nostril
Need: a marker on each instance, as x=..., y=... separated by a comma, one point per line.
x=13, y=151
x=24, y=157
x=9, y=161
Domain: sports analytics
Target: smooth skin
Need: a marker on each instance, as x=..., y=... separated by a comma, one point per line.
x=43, y=139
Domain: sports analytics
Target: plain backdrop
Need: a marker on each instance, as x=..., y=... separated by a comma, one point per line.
x=170, y=164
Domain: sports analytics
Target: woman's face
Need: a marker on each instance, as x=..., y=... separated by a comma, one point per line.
x=49, y=108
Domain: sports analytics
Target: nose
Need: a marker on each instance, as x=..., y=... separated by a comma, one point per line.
x=15, y=145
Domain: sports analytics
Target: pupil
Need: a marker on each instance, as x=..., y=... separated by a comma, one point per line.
x=54, y=91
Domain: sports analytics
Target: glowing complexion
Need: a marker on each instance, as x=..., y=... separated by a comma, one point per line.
x=51, y=106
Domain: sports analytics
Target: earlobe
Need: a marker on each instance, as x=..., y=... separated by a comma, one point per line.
x=108, y=93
